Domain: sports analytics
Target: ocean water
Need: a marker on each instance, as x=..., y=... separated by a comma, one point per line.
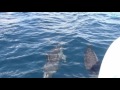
x=26, y=37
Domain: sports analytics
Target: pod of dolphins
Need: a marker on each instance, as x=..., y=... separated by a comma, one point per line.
x=56, y=55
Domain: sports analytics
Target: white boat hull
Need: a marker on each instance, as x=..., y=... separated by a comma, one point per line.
x=110, y=66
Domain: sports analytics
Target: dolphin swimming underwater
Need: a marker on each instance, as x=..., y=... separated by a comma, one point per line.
x=56, y=54
x=53, y=59
x=50, y=68
x=91, y=60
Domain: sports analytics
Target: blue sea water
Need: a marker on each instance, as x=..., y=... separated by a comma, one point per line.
x=26, y=37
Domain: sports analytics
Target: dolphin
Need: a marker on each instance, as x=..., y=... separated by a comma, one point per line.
x=91, y=60
x=53, y=59
x=50, y=69
x=56, y=54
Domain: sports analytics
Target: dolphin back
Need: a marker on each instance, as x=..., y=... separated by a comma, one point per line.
x=90, y=58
